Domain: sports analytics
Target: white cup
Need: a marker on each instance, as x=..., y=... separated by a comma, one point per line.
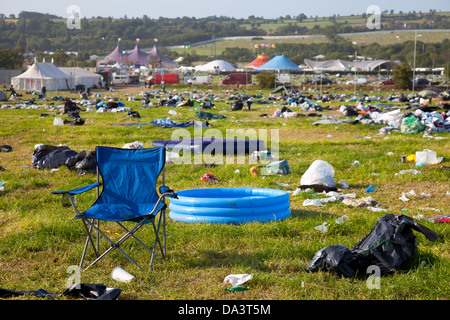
x=121, y=275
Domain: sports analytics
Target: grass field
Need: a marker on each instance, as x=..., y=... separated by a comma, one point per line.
x=40, y=239
x=360, y=39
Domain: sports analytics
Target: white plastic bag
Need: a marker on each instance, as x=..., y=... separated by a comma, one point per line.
x=320, y=172
x=237, y=279
x=58, y=122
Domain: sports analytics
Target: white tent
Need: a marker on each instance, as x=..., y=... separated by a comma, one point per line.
x=342, y=65
x=214, y=66
x=80, y=76
x=42, y=74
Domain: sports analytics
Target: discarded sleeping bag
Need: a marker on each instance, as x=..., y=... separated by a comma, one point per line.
x=389, y=245
x=203, y=115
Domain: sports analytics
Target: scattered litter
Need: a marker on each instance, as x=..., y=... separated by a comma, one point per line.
x=282, y=184
x=374, y=209
x=319, y=173
x=254, y=171
x=236, y=281
x=133, y=145
x=441, y=219
x=261, y=155
x=277, y=167
x=428, y=157
x=355, y=163
x=371, y=188
x=121, y=275
x=361, y=202
x=413, y=171
x=209, y=177
x=58, y=122
x=312, y=202
x=423, y=194
x=343, y=184
x=323, y=227
x=341, y=219
x=404, y=198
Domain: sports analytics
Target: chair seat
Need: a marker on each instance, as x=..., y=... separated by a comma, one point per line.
x=119, y=212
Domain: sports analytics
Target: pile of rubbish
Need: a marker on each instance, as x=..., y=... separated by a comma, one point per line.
x=52, y=157
x=421, y=120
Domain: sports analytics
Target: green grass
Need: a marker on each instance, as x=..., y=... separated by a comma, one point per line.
x=40, y=239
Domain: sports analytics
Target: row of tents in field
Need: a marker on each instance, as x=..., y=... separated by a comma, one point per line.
x=262, y=62
x=48, y=75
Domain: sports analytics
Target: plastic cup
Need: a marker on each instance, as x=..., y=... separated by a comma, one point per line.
x=121, y=275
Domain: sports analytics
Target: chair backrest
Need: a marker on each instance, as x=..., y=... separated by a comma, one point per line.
x=129, y=175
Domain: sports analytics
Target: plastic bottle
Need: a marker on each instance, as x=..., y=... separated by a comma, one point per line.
x=371, y=188
x=238, y=288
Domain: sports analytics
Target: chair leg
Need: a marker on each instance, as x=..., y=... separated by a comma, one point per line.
x=157, y=239
x=88, y=227
x=113, y=245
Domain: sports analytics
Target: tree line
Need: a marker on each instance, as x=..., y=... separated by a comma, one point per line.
x=40, y=33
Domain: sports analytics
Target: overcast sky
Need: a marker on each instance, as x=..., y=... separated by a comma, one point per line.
x=228, y=8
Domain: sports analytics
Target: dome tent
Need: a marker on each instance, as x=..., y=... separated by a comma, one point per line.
x=216, y=65
x=42, y=74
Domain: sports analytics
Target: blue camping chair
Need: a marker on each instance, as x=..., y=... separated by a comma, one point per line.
x=125, y=192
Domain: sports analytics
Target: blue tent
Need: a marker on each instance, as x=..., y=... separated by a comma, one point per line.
x=279, y=62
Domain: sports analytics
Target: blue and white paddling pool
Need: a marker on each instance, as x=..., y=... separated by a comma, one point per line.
x=230, y=205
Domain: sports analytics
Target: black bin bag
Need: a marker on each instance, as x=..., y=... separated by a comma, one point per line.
x=389, y=245
x=336, y=259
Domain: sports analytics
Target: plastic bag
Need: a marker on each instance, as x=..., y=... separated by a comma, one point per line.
x=336, y=259
x=237, y=279
x=412, y=125
x=133, y=145
x=389, y=245
x=277, y=167
x=320, y=172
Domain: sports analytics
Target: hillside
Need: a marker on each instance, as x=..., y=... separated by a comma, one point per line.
x=40, y=34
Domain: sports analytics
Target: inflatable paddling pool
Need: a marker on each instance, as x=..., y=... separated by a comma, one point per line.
x=224, y=146
x=230, y=205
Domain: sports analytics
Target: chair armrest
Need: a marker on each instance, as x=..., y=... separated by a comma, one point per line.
x=78, y=190
x=167, y=192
